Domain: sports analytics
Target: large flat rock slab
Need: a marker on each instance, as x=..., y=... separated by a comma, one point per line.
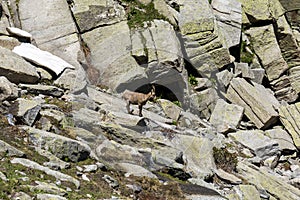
x=261, y=145
x=54, y=25
x=229, y=18
x=56, y=34
x=16, y=69
x=259, y=103
x=290, y=118
x=115, y=37
x=263, y=180
x=90, y=14
x=263, y=40
x=60, y=146
x=42, y=58
x=36, y=166
x=283, y=138
x=226, y=117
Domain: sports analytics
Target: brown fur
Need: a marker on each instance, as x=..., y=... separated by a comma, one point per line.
x=137, y=98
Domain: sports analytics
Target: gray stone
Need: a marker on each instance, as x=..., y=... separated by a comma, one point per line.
x=261, y=179
x=8, y=42
x=264, y=43
x=259, y=103
x=284, y=90
x=224, y=77
x=258, y=74
x=203, y=42
x=256, y=11
x=229, y=17
x=60, y=146
x=16, y=69
x=166, y=10
x=204, y=197
x=249, y=192
x=19, y=33
x=261, y=145
x=4, y=18
x=192, y=121
x=114, y=153
x=202, y=84
x=170, y=51
x=90, y=168
x=168, y=157
x=146, y=46
x=21, y=196
x=195, y=22
x=3, y=177
x=228, y=177
x=10, y=150
x=170, y=109
x=113, y=183
x=85, y=135
x=283, y=138
x=42, y=89
x=26, y=110
x=145, y=2
x=295, y=182
x=135, y=170
x=204, y=102
x=198, y=153
x=54, y=162
x=290, y=51
x=226, y=117
x=244, y=70
x=115, y=37
x=289, y=116
x=36, y=166
x=63, y=43
x=53, y=114
x=49, y=188
x=49, y=196
x=42, y=58
x=91, y=14
x=9, y=91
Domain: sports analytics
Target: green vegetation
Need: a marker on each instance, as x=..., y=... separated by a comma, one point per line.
x=178, y=103
x=192, y=80
x=138, y=13
x=224, y=159
x=63, y=105
x=246, y=56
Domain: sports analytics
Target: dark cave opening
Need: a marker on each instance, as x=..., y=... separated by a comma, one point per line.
x=161, y=92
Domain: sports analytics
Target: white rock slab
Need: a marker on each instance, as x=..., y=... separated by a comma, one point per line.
x=18, y=32
x=56, y=174
x=42, y=58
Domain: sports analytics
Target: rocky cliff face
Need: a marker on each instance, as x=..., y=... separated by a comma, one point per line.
x=224, y=123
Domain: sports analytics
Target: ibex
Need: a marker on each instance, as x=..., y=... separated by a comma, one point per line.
x=137, y=98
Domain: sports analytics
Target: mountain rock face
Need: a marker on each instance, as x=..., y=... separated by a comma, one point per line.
x=224, y=122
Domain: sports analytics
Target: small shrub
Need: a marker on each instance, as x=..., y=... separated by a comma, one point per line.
x=138, y=13
x=224, y=159
x=177, y=103
x=245, y=56
x=192, y=80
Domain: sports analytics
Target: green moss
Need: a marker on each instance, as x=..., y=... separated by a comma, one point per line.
x=15, y=182
x=245, y=56
x=177, y=103
x=63, y=105
x=192, y=80
x=224, y=159
x=138, y=13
